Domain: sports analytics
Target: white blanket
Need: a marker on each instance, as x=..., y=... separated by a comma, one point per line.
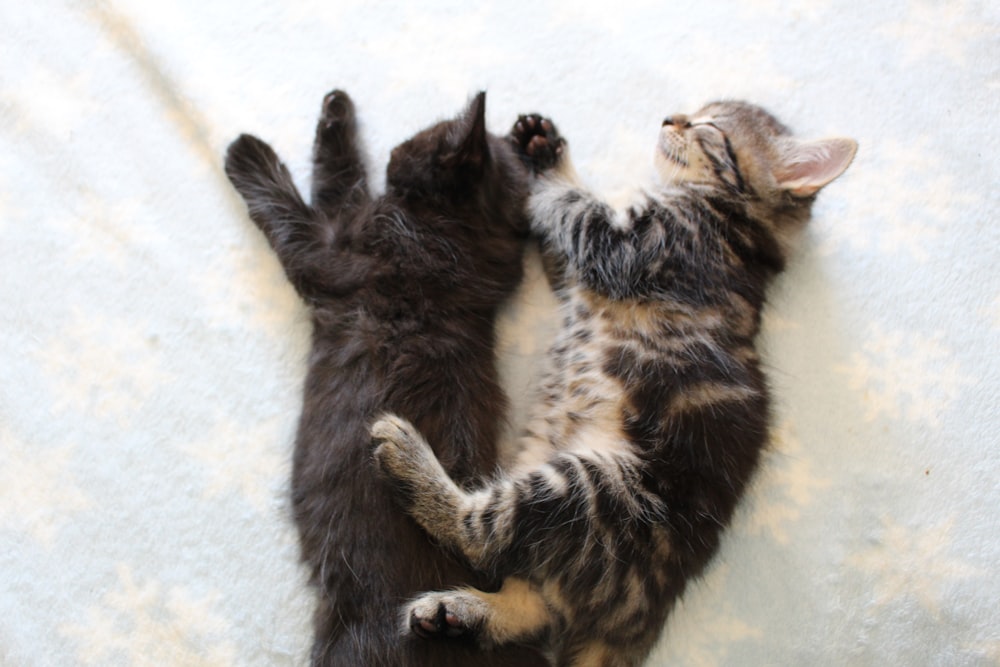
x=152, y=352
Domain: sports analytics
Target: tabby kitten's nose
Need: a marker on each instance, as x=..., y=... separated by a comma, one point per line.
x=679, y=120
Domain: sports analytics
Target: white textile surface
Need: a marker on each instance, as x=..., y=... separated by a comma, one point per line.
x=152, y=352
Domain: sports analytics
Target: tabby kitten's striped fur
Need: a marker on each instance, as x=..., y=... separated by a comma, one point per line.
x=655, y=409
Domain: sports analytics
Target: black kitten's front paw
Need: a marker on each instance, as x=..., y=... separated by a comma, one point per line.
x=338, y=109
x=537, y=142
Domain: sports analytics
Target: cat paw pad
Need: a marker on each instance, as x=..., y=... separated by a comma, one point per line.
x=432, y=617
x=537, y=142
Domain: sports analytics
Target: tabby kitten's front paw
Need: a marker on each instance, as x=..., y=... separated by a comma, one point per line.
x=446, y=615
x=537, y=142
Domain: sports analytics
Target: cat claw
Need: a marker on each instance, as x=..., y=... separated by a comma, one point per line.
x=537, y=142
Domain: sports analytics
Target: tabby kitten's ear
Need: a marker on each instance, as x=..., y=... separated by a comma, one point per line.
x=472, y=149
x=807, y=166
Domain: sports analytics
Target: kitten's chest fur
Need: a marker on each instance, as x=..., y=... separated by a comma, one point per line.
x=617, y=367
x=583, y=407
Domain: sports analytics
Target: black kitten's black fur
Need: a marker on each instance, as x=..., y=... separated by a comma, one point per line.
x=404, y=291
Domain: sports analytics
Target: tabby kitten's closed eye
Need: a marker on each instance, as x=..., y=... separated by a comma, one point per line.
x=654, y=410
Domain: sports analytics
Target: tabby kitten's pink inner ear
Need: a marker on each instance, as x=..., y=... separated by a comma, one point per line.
x=807, y=166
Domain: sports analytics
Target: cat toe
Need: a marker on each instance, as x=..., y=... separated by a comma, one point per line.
x=537, y=141
x=384, y=454
x=436, y=623
x=390, y=428
x=525, y=128
x=391, y=438
x=427, y=626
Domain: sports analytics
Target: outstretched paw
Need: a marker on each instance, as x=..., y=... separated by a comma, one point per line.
x=250, y=161
x=446, y=615
x=537, y=142
x=338, y=109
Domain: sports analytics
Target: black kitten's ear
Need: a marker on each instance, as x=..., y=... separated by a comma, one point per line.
x=472, y=147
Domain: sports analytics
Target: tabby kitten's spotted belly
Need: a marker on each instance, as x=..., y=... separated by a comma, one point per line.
x=582, y=405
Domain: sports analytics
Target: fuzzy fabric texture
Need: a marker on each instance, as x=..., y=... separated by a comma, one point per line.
x=153, y=352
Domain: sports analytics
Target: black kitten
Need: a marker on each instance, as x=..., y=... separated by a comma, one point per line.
x=404, y=291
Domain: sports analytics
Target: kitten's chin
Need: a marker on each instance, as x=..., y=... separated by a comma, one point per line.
x=668, y=178
x=671, y=176
x=669, y=169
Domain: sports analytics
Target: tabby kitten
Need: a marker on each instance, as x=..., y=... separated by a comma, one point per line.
x=655, y=409
x=404, y=290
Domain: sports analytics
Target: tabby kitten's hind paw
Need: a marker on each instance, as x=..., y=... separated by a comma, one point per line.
x=446, y=615
x=537, y=142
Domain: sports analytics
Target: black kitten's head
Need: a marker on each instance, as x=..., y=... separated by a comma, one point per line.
x=742, y=149
x=457, y=163
x=444, y=156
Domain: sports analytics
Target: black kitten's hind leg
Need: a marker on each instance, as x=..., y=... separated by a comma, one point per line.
x=291, y=226
x=266, y=186
x=338, y=178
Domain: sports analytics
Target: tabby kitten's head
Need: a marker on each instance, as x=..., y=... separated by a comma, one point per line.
x=745, y=151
